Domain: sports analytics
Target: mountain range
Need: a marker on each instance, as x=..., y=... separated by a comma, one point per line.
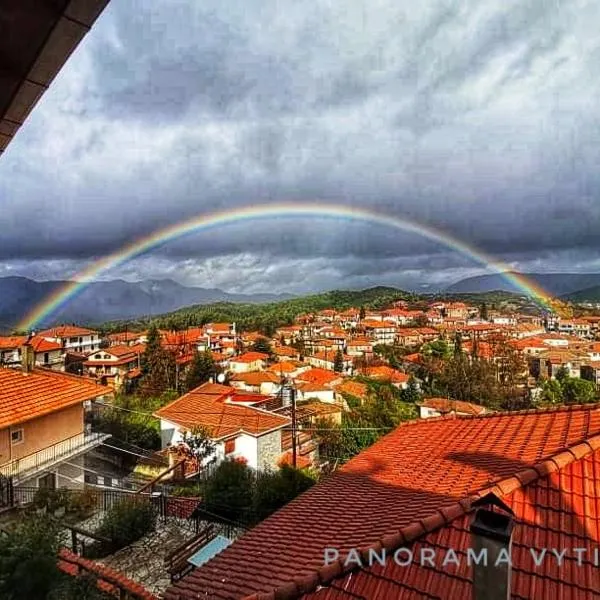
x=111, y=300
x=557, y=284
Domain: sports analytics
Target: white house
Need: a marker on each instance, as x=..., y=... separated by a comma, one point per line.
x=249, y=361
x=237, y=430
x=70, y=337
x=10, y=349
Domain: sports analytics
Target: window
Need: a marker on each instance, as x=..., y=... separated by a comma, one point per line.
x=229, y=446
x=16, y=437
x=46, y=358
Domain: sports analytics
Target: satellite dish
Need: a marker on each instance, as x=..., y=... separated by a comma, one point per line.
x=221, y=377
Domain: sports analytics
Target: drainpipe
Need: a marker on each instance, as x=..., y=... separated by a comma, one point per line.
x=491, y=531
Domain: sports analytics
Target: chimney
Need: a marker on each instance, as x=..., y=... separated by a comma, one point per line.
x=27, y=357
x=491, y=532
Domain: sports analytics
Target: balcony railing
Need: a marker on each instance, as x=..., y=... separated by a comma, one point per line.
x=21, y=468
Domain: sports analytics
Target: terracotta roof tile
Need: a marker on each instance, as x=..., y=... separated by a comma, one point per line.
x=401, y=484
x=32, y=395
x=207, y=406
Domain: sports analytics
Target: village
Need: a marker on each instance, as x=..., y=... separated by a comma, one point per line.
x=118, y=413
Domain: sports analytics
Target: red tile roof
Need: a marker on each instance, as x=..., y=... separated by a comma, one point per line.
x=256, y=377
x=40, y=344
x=206, y=406
x=445, y=406
x=12, y=341
x=385, y=372
x=66, y=331
x=318, y=376
x=413, y=481
x=249, y=357
x=40, y=392
x=353, y=388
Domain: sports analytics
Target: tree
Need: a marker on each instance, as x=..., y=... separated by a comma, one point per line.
x=200, y=371
x=551, y=392
x=578, y=391
x=411, y=394
x=274, y=489
x=362, y=313
x=562, y=374
x=421, y=321
x=158, y=366
x=483, y=311
x=338, y=362
x=262, y=344
x=28, y=560
x=153, y=345
x=199, y=446
x=438, y=349
x=228, y=492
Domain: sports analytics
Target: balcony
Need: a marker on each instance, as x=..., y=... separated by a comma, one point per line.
x=22, y=468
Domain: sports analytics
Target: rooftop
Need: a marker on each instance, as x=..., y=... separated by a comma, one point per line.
x=26, y=396
x=207, y=406
x=417, y=482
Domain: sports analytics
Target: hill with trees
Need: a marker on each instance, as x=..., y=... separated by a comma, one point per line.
x=266, y=317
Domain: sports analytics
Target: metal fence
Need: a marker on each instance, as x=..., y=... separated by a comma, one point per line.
x=36, y=461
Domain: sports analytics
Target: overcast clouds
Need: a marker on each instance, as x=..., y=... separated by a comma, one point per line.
x=481, y=118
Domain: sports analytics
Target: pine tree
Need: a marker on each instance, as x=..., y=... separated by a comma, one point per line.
x=338, y=362
x=263, y=345
x=201, y=370
x=158, y=366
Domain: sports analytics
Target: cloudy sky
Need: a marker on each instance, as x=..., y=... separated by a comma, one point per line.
x=479, y=118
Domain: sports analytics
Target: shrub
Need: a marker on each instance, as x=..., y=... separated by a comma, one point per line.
x=28, y=555
x=82, y=503
x=126, y=522
x=274, y=489
x=228, y=492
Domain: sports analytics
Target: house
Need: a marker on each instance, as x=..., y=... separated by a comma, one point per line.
x=10, y=349
x=437, y=407
x=355, y=389
x=423, y=490
x=115, y=365
x=42, y=433
x=577, y=327
x=249, y=361
x=326, y=360
x=288, y=368
x=380, y=331
x=71, y=337
x=129, y=338
x=306, y=390
x=237, y=429
x=47, y=353
x=385, y=373
x=262, y=382
x=286, y=353
x=320, y=376
x=359, y=347
x=547, y=364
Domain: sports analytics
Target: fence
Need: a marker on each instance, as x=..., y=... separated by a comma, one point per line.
x=27, y=465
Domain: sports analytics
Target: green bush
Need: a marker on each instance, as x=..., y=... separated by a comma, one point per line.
x=228, y=493
x=51, y=500
x=127, y=521
x=274, y=489
x=28, y=560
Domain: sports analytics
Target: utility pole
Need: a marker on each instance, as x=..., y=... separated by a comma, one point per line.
x=293, y=399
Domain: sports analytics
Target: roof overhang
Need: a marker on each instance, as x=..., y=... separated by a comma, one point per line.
x=37, y=37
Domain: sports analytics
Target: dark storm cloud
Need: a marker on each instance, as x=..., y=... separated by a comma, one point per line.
x=477, y=118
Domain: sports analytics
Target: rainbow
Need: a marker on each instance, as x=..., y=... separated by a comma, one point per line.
x=60, y=297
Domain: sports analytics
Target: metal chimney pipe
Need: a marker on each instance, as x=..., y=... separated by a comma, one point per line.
x=491, y=534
